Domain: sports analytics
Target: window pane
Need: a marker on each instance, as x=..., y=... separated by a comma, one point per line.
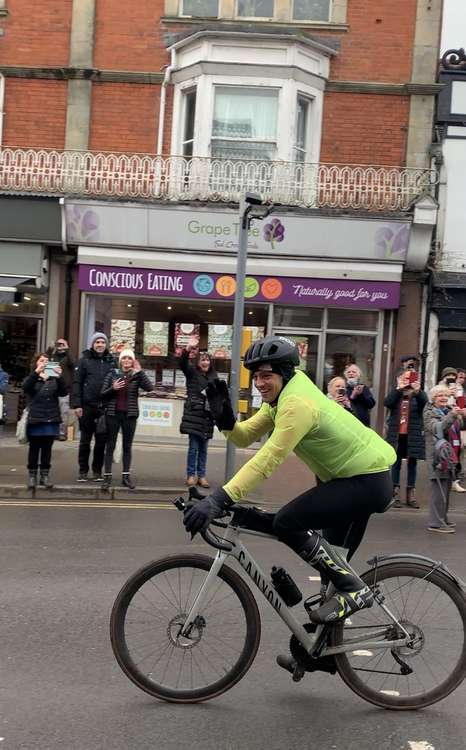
x=245, y=113
x=342, y=350
x=202, y=8
x=311, y=10
x=297, y=317
x=353, y=320
x=189, y=114
x=258, y=8
x=242, y=151
x=301, y=128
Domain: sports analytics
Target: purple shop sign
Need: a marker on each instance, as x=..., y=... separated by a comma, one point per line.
x=280, y=289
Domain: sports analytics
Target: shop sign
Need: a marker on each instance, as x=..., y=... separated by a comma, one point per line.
x=278, y=289
x=183, y=228
x=155, y=413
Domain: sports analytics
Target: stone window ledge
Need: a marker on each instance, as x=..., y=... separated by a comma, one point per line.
x=252, y=22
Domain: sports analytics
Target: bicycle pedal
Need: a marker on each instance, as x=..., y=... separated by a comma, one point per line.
x=296, y=670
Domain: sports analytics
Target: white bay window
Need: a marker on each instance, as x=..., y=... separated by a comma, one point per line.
x=244, y=124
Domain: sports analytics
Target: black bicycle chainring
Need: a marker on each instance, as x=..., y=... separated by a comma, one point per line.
x=322, y=664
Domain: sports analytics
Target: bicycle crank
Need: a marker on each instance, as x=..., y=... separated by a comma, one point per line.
x=306, y=662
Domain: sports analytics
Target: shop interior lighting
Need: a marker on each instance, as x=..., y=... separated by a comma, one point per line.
x=250, y=312
x=169, y=307
x=42, y=304
x=15, y=304
x=27, y=298
x=129, y=305
x=209, y=310
x=7, y=289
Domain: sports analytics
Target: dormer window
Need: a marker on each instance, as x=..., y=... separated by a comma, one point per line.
x=200, y=8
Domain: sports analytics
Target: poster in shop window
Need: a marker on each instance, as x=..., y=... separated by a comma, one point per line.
x=122, y=335
x=186, y=334
x=155, y=339
x=220, y=341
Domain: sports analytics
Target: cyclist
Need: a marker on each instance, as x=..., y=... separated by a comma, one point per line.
x=351, y=461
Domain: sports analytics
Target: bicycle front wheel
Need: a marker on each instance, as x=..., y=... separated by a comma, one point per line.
x=432, y=609
x=149, y=613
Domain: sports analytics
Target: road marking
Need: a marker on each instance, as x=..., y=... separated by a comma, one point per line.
x=420, y=745
x=82, y=504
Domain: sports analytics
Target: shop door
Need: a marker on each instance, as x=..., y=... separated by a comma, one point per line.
x=309, y=349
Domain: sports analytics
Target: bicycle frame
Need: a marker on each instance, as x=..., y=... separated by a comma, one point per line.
x=264, y=584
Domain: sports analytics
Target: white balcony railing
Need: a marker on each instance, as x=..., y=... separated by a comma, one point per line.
x=175, y=178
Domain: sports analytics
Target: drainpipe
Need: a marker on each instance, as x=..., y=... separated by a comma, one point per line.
x=2, y=109
x=163, y=98
x=68, y=273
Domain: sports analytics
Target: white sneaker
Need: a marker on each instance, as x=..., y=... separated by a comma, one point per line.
x=456, y=487
x=441, y=529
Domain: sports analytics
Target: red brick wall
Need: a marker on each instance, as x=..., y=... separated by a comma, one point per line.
x=379, y=43
x=37, y=32
x=124, y=117
x=364, y=128
x=35, y=113
x=128, y=37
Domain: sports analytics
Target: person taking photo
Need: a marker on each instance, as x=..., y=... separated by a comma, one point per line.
x=360, y=397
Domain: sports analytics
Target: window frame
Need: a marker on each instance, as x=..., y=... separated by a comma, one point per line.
x=310, y=20
x=256, y=18
x=182, y=14
x=307, y=128
x=191, y=91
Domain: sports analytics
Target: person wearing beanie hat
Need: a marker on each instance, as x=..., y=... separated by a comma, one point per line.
x=120, y=394
x=86, y=400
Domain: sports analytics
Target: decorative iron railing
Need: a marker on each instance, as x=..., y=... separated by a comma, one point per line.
x=175, y=178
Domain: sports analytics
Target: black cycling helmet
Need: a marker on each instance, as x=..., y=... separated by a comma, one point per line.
x=273, y=350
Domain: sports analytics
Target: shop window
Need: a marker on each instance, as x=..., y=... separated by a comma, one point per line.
x=245, y=123
x=200, y=8
x=352, y=320
x=189, y=116
x=311, y=10
x=342, y=350
x=255, y=8
x=297, y=317
x=302, y=125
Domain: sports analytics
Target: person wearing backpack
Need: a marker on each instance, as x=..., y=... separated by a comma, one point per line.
x=442, y=424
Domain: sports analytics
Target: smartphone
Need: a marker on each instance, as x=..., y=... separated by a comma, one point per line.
x=413, y=376
x=49, y=369
x=341, y=391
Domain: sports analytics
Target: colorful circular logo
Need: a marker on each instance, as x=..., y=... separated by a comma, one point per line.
x=271, y=288
x=251, y=287
x=226, y=286
x=203, y=284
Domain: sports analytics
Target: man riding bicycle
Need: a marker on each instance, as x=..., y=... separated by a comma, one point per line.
x=351, y=462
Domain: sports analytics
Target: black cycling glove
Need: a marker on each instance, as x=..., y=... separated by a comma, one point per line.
x=220, y=404
x=199, y=513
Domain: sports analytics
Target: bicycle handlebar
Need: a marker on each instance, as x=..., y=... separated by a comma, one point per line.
x=207, y=535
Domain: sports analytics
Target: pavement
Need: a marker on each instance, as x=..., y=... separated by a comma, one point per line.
x=159, y=471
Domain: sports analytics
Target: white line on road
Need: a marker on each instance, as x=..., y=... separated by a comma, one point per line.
x=81, y=504
x=420, y=745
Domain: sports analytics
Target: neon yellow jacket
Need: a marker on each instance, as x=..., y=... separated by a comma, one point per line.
x=330, y=440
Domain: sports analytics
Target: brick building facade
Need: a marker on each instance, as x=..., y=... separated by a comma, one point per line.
x=349, y=83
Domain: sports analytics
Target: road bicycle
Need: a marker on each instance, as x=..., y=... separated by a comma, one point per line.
x=186, y=628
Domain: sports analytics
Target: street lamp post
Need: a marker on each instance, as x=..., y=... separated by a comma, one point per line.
x=250, y=208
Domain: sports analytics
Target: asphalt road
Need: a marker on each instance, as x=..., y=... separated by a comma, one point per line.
x=61, y=689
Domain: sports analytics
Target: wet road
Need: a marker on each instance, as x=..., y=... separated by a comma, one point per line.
x=61, y=689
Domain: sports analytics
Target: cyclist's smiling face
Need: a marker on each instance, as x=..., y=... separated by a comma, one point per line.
x=268, y=383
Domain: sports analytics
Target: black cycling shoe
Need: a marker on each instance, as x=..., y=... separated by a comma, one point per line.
x=291, y=665
x=341, y=605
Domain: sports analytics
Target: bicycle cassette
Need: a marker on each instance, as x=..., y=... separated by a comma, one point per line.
x=322, y=664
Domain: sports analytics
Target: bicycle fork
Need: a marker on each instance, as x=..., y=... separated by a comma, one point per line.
x=201, y=598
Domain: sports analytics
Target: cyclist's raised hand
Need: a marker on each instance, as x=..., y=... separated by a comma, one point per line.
x=199, y=513
x=220, y=404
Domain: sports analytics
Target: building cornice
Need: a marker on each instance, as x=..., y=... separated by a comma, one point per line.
x=88, y=74
x=375, y=87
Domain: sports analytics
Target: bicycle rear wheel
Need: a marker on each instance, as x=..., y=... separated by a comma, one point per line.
x=149, y=612
x=433, y=610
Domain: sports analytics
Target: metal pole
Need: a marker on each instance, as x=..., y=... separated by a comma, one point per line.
x=238, y=318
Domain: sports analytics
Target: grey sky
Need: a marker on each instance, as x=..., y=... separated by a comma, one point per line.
x=454, y=25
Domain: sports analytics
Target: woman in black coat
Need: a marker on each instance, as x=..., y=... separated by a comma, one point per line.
x=405, y=432
x=197, y=421
x=43, y=390
x=120, y=394
x=361, y=399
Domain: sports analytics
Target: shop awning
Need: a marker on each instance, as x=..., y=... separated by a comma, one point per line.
x=323, y=269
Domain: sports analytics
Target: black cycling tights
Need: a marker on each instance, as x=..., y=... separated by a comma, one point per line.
x=339, y=508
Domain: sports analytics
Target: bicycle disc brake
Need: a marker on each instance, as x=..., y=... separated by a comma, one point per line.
x=322, y=664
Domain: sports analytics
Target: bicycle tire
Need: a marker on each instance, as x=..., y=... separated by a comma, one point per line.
x=119, y=627
x=388, y=699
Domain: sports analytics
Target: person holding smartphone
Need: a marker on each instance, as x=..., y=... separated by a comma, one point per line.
x=336, y=391
x=43, y=387
x=361, y=399
x=405, y=429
